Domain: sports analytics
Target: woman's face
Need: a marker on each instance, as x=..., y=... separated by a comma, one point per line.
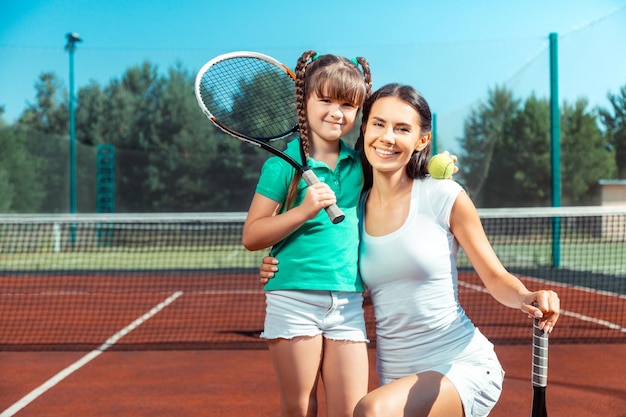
x=392, y=134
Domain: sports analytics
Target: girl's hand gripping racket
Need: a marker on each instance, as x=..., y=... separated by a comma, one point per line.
x=251, y=97
x=540, y=371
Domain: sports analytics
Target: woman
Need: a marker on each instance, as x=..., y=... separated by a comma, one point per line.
x=431, y=359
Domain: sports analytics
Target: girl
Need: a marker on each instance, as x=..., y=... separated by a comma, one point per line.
x=314, y=320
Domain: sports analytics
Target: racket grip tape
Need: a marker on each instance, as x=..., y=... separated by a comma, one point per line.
x=540, y=355
x=334, y=212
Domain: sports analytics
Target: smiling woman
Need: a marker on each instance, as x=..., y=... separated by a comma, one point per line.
x=393, y=134
x=391, y=138
x=431, y=359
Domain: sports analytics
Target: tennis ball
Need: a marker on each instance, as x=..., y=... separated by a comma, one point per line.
x=441, y=166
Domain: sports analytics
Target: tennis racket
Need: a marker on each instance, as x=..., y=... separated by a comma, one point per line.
x=540, y=371
x=251, y=97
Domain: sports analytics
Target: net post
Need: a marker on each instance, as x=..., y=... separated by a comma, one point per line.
x=555, y=148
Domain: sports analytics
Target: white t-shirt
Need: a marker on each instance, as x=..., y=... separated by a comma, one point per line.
x=412, y=278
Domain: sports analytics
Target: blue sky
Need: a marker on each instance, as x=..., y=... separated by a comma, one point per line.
x=452, y=51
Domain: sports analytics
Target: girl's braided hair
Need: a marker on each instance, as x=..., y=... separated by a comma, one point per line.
x=330, y=76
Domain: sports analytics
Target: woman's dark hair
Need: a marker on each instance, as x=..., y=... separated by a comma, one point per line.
x=418, y=165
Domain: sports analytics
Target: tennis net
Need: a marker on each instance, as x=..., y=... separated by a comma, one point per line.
x=184, y=281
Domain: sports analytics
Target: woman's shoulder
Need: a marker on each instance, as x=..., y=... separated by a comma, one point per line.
x=436, y=196
x=438, y=185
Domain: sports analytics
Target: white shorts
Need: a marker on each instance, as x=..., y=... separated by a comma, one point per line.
x=478, y=382
x=294, y=313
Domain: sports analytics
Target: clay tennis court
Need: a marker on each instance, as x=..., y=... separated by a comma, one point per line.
x=129, y=372
x=584, y=380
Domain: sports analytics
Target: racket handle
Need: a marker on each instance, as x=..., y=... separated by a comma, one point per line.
x=540, y=355
x=334, y=212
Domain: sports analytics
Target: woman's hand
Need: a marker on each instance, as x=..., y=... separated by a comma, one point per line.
x=267, y=269
x=544, y=305
x=455, y=159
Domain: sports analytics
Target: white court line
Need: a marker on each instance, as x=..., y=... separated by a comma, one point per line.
x=578, y=316
x=33, y=395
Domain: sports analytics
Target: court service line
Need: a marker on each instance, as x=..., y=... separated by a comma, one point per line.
x=578, y=288
x=582, y=317
x=33, y=395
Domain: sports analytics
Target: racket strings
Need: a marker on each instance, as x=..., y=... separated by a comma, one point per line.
x=251, y=97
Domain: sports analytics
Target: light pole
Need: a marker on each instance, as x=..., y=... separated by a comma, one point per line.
x=72, y=38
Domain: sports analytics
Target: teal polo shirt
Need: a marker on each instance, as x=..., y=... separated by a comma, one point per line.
x=319, y=255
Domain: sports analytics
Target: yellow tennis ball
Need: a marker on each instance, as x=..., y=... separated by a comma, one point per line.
x=441, y=166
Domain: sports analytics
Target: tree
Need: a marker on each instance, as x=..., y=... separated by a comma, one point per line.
x=43, y=130
x=168, y=156
x=614, y=121
x=20, y=185
x=485, y=131
x=585, y=159
x=198, y=160
x=90, y=120
x=506, y=160
x=525, y=179
x=6, y=191
x=50, y=112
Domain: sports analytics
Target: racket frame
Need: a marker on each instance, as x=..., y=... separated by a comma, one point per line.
x=334, y=212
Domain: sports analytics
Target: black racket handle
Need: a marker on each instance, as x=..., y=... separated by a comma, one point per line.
x=334, y=212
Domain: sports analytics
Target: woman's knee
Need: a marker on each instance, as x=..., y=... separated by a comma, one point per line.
x=367, y=407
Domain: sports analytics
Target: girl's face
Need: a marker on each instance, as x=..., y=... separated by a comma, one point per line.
x=329, y=119
x=392, y=134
